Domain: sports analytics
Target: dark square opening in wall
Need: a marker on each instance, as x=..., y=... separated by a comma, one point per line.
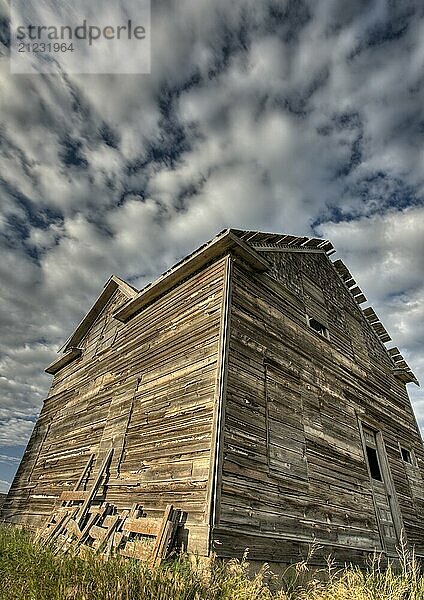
x=373, y=463
x=318, y=327
x=406, y=455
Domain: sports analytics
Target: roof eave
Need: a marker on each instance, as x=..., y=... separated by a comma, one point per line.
x=63, y=360
x=406, y=376
x=224, y=242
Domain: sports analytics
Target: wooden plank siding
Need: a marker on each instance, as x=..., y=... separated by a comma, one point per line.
x=146, y=388
x=247, y=388
x=305, y=481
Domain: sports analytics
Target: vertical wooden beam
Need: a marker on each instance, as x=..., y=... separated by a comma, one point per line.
x=116, y=425
x=121, y=450
x=215, y=468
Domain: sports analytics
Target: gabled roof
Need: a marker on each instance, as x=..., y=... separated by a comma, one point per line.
x=278, y=242
x=70, y=348
x=110, y=288
x=250, y=245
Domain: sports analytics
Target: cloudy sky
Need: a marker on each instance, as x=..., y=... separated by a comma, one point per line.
x=302, y=117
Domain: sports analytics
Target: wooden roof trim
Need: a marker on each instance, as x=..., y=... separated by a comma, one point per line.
x=360, y=298
x=224, y=242
x=110, y=287
x=263, y=241
x=292, y=249
x=63, y=360
x=405, y=375
x=125, y=287
x=349, y=282
x=401, y=369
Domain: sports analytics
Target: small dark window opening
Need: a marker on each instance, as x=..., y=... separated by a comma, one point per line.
x=318, y=327
x=373, y=463
x=406, y=455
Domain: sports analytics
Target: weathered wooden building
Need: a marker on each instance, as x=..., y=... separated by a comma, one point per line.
x=246, y=386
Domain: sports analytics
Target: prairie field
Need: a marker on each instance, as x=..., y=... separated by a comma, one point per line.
x=30, y=571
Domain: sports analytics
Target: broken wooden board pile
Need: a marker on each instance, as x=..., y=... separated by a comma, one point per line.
x=84, y=523
x=104, y=530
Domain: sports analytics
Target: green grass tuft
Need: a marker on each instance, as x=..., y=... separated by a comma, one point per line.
x=30, y=571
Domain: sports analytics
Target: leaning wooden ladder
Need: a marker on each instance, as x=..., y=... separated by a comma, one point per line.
x=82, y=523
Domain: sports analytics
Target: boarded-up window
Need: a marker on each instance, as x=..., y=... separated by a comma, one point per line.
x=107, y=336
x=314, y=302
x=285, y=431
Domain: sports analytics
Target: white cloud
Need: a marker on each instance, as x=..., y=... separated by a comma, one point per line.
x=15, y=432
x=9, y=459
x=251, y=118
x=4, y=486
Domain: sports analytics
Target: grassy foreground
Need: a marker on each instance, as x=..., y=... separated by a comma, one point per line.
x=32, y=572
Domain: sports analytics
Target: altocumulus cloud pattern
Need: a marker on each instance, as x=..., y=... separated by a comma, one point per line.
x=301, y=117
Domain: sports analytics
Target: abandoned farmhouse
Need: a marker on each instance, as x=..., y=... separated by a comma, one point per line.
x=247, y=387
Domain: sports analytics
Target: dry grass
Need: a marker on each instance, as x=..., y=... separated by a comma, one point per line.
x=30, y=571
